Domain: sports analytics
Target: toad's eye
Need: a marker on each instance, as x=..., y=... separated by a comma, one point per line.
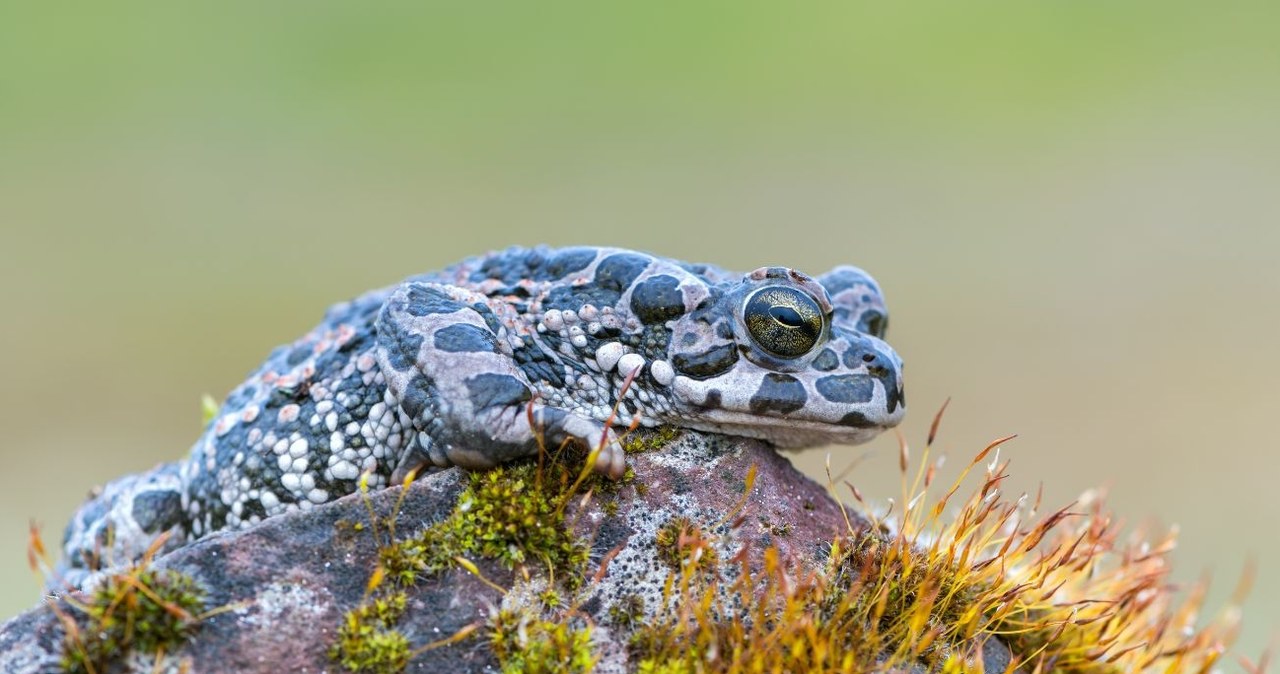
x=783, y=321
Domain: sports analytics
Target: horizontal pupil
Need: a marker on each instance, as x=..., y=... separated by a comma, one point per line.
x=786, y=316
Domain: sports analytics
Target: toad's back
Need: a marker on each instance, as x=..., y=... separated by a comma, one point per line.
x=467, y=365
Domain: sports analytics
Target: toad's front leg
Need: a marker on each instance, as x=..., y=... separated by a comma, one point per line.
x=448, y=365
x=119, y=525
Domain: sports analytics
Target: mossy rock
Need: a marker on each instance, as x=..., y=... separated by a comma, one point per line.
x=713, y=553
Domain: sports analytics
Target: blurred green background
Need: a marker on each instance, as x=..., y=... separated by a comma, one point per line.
x=1072, y=206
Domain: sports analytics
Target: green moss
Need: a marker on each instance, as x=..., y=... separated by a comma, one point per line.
x=914, y=588
x=428, y=553
x=882, y=601
x=550, y=599
x=513, y=514
x=143, y=610
x=667, y=667
x=368, y=640
x=524, y=643
x=649, y=440
x=627, y=611
x=660, y=649
x=608, y=492
x=683, y=544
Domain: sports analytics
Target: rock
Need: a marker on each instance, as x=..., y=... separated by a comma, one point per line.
x=286, y=584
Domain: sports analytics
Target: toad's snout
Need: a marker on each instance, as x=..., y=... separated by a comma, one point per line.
x=870, y=360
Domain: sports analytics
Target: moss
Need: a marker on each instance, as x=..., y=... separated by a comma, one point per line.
x=670, y=667
x=368, y=640
x=142, y=610
x=428, y=553
x=667, y=540
x=524, y=643
x=683, y=544
x=607, y=493
x=550, y=599
x=649, y=440
x=926, y=591
x=514, y=514
x=627, y=612
x=918, y=590
x=511, y=514
x=898, y=592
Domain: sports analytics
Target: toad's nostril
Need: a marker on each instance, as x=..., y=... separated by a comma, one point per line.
x=868, y=357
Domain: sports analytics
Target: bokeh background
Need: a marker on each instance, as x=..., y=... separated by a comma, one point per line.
x=1073, y=208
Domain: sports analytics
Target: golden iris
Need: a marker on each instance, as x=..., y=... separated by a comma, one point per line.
x=783, y=321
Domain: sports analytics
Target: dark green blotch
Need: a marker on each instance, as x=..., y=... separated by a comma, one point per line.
x=706, y=364
x=418, y=396
x=847, y=388
x=509, y=266
x=423, y=300
x=156, y=511
x=538, y=366
x=856, y=420
x=487, y=314
x=465, y=338
x=853, y=356
x=658, y=299
x=400, y=345
x=826, y=361
x=781, y=393
x=618, y=271
x=897, y=397
x=566, y=262
x=496, y=390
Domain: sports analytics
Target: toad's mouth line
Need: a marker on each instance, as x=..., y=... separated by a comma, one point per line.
x=785, y=431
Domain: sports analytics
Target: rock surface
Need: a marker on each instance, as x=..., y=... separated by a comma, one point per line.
x=290, y=580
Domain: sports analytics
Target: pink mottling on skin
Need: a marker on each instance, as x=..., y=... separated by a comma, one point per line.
x=224, y=424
